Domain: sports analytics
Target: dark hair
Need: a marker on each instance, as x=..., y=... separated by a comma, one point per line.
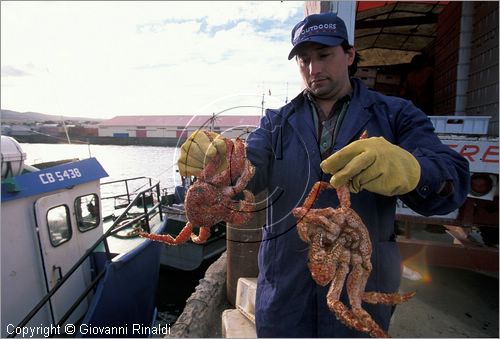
x=354, y=67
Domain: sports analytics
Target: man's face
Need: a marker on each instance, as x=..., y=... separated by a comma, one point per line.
x=325, y=69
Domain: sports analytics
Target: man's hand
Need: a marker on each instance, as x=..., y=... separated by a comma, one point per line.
x=373, y=164
x=198, y=150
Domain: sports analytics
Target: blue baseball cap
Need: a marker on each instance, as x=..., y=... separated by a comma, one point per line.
x=325, y=28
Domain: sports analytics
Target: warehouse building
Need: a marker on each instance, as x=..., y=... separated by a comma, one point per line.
x=176, y=126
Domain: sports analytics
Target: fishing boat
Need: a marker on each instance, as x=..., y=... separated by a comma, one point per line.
x=68, y=267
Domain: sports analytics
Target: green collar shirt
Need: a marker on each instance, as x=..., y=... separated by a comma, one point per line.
x=327, y=129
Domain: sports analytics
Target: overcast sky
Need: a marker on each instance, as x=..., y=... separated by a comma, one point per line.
x=102, y=59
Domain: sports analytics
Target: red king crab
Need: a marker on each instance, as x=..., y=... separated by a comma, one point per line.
x=209, y=200
x=338, y=238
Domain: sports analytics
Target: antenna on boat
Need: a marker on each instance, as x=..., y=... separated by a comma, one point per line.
x=65, y=130
x=88, y=146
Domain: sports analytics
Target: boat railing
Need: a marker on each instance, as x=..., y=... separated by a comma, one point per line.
x=135, y=198
x=117, y=226
x=128, y=196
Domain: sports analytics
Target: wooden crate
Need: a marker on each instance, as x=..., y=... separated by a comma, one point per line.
x=388, y=79
x=366, y=72
x=388, y=89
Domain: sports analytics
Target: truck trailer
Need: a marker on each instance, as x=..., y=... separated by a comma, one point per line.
x=450, y=49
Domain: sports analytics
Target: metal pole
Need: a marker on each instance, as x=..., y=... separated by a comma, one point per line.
x=262, y=107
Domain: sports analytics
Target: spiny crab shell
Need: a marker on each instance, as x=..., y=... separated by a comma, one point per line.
x=210, y=199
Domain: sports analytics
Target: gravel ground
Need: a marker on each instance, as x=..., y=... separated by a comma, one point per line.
x=451, y=303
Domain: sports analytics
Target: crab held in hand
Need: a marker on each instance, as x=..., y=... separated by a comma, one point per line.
x=209, y=200
x=338, y=239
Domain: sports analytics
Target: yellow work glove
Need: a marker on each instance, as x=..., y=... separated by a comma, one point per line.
x=198, y=150
x=373, y=164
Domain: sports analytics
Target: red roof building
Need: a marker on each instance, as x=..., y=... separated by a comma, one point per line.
x=176, y=126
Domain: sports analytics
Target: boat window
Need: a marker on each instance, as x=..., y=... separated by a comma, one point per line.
x=87, y=212
x=59, y=224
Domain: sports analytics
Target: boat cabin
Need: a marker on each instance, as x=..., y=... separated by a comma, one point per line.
x=60, y=262
x=49, y=218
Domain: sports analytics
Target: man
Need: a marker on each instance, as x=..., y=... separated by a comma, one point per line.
x=315, y=135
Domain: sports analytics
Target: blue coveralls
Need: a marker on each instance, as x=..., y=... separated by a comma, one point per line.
x=285, y=152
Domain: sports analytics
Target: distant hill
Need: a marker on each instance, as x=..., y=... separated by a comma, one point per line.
x=8, y=116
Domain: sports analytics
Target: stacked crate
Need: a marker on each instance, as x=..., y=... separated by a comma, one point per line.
x=368, y=75
x=380, y=79
x=388, y=83
x=482, y=94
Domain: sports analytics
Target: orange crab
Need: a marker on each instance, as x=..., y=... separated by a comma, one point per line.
x=338, y=238
x=209, y=200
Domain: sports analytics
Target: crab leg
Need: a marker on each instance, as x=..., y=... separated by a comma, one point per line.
x=342, y=313
x=241, y=211
x=203, y=235
x=182, y=237
x=242, y=181
x=350, y=318
x=339, y=278
x=238, y=153
x=356, y=283
x=387, y=298
x=313, y=195
x=344, y=196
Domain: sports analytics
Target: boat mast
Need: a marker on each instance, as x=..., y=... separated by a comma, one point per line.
x=262, y=106
x=65, y=130
x=212, y=122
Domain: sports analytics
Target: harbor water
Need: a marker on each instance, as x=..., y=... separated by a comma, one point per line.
x=118, y=161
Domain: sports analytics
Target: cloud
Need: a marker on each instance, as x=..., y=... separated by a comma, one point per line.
x=10, y=71
x=137, y=57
